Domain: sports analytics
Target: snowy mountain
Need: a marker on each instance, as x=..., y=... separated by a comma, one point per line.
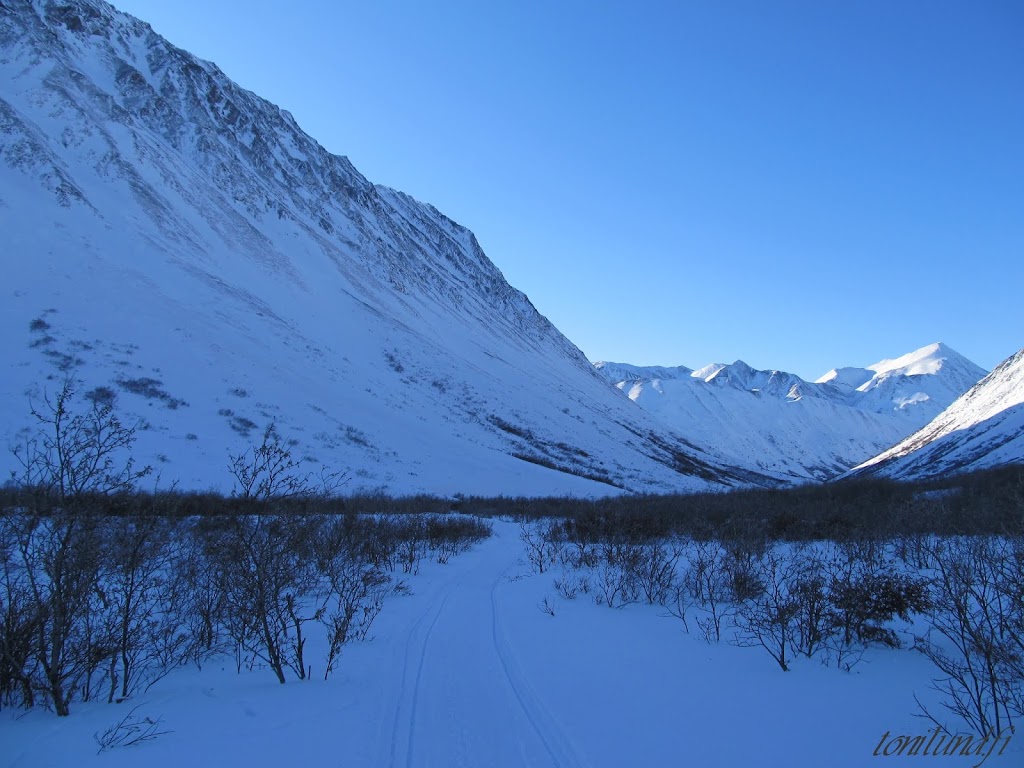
x=178, y=245
x=777, y=423
x=982, y=429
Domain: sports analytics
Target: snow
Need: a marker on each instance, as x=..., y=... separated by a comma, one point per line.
x=846, y=378
x=926, y=360
x=467, y=671
x=983, y=428
x=708, y=371
x=171, y=244
x=775, y=423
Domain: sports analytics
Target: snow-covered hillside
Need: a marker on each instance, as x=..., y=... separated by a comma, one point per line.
x=176, y=243
x=777, y=423
x=984, y=428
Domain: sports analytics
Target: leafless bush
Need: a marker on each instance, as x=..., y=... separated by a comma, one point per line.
x=268, y=473
x=707, y=584
x=540, y=538
x=813, y=622
x=354, y=590
x=130, y=731
x=18, y=628
x=974, y=638
x=143, y=600
x=450, y=535
x=546, y=606
x=265, y=570
x=614, y=578
x=866, y=592
x=74, y=461
x=571, y=584
x=766, y=618
x=655, y=570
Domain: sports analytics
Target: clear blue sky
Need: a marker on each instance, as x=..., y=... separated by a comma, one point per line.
x=798, y=184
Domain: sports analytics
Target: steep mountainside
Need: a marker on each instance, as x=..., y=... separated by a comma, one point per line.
x=984, y=428
x=178, y=245
x=777, y=423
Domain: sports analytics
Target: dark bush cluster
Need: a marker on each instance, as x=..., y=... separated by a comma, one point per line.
x=985, y=502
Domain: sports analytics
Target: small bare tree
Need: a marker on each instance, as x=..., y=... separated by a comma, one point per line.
x=73, y=463
x=353, y=588
x=266, y=559
x=709, y=587
x=268, y=473
x=144, y=601
x=767, y=618
x=655, y=572
x=540, y=538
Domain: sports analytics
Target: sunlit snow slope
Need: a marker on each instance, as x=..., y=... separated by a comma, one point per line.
x=777, y=423
x=175, y=242
x=982, y=429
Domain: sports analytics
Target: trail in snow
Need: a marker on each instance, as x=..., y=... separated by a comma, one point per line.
x=463, y=699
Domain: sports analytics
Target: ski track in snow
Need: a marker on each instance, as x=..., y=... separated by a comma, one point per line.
x=562, y=752
x=409, y=726
x=457, y=648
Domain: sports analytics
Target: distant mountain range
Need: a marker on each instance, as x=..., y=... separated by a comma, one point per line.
x=178, y=246
x=776, y=423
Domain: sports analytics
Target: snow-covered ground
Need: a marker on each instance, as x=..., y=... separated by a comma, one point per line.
x=468, y=671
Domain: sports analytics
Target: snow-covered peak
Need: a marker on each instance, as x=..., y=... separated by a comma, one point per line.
x=982, y=428
x=929, y=359
x=933, y=371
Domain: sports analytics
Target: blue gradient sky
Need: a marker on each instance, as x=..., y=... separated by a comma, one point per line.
x=798, y=184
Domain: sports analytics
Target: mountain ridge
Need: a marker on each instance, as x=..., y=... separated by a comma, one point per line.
x=189, y=246
x=981, y=429
x=774, y=421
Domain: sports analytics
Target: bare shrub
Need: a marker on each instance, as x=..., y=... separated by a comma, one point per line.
x=75, y=460
x=709, y=586
x=867, y=592
x=130, y=731
x=655, y=570
x=266, y=571
x=540, y=538
x=614, y=578
x=571, y=584
x=355, y=588
x=974, y=635
x=547, y=606
x=767, y=618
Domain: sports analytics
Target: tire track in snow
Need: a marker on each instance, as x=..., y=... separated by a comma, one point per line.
x=563, y=753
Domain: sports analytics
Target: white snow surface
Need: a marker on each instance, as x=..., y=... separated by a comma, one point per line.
x=467, y=671
x=776, y=423
x=982, y=429
x=174, y=238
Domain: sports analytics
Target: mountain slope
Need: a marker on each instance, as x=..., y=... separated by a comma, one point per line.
x=176, y=243
x=777, y=423
x=984, y=428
